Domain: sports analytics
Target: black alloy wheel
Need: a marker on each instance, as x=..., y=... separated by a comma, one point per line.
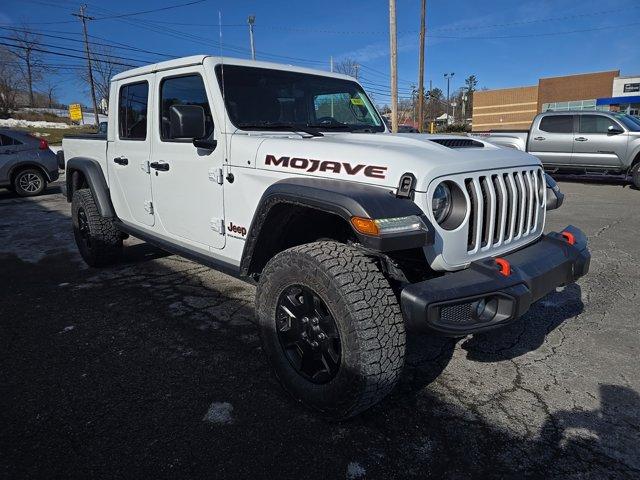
x=308, y=334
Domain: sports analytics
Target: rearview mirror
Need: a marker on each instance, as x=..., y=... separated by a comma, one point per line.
x=186, y=122
x=613, y=130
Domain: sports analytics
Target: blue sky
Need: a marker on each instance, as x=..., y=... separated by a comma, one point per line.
x=504, y=43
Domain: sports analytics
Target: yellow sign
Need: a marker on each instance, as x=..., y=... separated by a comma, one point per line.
x=75, y=112
x=357, y=101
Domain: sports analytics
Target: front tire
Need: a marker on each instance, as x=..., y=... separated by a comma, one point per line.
x=98, y=239
x=331, y=327
x=29, y=182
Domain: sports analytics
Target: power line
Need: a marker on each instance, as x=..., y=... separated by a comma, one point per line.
x=68, y=55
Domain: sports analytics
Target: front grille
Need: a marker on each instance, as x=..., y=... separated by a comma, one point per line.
x=504, y=207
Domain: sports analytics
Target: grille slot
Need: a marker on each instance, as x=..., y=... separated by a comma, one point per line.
x=505, y=207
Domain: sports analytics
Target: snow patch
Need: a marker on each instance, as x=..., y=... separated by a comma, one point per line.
x=13, y=122
x=67, y=329
x=219, y=413
x=355, y=470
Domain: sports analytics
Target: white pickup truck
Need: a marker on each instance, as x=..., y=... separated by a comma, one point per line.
x=288, y=178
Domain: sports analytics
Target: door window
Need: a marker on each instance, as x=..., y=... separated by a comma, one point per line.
x=184, y=90
x=596, y=124
x=6, y=141
x=557, y=124
x=132, y=111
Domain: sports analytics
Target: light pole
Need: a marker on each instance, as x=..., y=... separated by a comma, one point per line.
x=251, y=20
x=448, y=76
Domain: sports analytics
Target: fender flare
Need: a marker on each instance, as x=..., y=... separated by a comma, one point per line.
x=343, y=199
x=28, y=164
x=94, y=176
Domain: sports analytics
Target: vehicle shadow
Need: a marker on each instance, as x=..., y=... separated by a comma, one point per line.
x=52, y=189
x=528, y=332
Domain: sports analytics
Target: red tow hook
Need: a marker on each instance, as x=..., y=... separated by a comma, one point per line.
x=505, y=266
x=568, y=236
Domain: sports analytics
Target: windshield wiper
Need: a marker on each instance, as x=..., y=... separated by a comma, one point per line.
x=282, y=126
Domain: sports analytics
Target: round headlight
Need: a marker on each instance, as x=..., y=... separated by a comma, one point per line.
x=441, y=203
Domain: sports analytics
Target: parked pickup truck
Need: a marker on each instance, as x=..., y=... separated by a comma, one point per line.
x=585, y=142
x=288, y=178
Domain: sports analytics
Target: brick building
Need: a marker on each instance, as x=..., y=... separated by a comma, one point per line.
x=515, y=108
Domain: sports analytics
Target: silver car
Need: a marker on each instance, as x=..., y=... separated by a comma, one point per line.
x=27, y=164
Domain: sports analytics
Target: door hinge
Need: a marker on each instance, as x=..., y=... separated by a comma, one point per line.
x=148, y=207
x=217, y=225
x=215, y=175
x=144, y=166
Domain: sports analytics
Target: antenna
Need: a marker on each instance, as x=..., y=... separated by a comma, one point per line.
x=224, y=102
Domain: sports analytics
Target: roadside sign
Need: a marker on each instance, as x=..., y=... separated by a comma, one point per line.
x=75, y=112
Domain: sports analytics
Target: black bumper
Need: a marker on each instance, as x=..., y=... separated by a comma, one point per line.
x=482, y=298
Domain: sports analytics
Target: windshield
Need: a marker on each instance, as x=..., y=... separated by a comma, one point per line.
x=632, y=123
x=261, y=98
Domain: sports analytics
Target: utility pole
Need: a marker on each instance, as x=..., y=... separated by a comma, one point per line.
x=357, y=69
x=423, y=14
x=331, y=66
x=251, y=20
x=393, y=41
x=448, y=76
x=84, y=19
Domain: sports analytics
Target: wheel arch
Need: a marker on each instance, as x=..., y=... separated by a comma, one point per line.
x=87, y=173
x=294, y=211
x=19, y=167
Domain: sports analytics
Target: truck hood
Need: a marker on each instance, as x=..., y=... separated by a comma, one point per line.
x=378, y=159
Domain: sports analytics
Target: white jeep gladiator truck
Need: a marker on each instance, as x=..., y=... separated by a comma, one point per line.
x=287, y=177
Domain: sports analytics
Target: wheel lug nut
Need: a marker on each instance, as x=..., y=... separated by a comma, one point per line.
x=315, y=321
x=314, y=344
x=321, y=336
x=305, y=320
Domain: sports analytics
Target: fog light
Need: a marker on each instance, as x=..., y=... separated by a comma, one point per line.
x=485, y=309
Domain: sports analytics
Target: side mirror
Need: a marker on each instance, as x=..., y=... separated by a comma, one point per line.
x=613, y=130
x=186, y=122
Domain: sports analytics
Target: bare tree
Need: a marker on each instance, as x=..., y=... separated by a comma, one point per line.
x=348, y=66
x=104, y=68
x=50, y=91
x=9, y=75
x=30, y=61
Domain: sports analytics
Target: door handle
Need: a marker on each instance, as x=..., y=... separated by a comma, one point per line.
x=121, y=160
x=580, y=139
x=162, y=166
x=539, y=138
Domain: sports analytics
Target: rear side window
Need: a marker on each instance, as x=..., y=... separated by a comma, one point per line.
x=132, y=111
x=183, y=90
x=596, y=124
x=557, y=124
x=6, y=141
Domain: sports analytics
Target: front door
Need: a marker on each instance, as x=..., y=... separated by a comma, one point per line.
x=595, y=145
x=8, y=156
x=552, y=140
x=128, y=154
x=187, y=181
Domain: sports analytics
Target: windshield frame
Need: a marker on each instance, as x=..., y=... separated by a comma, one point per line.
x=332, y=127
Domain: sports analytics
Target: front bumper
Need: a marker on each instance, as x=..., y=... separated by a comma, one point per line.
x=482, y=298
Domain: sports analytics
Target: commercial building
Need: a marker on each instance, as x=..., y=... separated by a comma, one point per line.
x=515, y=108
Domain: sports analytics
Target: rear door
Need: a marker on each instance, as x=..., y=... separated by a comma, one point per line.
x=128, y=154
x=8, y=156
x=187, y=181
x=551, y=139
x=594, y=145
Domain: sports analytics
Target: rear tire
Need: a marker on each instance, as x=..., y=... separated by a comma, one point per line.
x=98, y=239
x=368, y=338
x=29, y=182
x=635, y=175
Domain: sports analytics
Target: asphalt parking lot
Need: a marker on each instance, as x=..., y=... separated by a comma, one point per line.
x=153, y=369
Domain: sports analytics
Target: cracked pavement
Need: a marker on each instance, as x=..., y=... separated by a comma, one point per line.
x=153, y=369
